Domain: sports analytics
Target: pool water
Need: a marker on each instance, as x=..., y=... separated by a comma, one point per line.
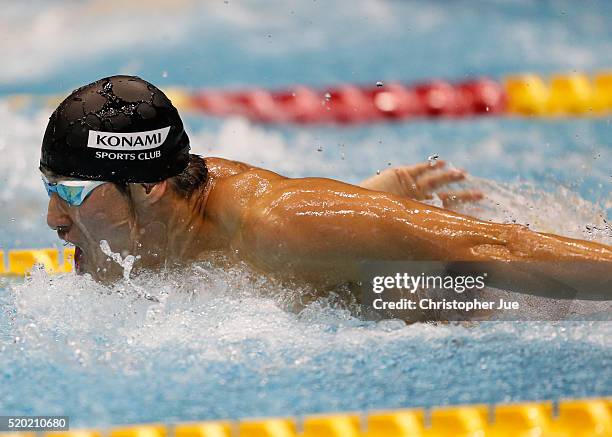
x=224, y=344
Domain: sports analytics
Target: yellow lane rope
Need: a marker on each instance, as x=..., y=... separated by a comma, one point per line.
x=574, y=418
x=19, y=262
x=569, y=94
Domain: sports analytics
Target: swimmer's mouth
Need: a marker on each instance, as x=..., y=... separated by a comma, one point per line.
x=78, y=252
x=78, y=259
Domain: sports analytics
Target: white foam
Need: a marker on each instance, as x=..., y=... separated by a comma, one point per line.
x=219, y=315
x=524, y=203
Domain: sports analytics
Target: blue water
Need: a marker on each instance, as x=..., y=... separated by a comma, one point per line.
x=219, y=44
x=223, y=344
x=230, y=350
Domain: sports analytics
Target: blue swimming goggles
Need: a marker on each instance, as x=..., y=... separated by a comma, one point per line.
x=73, y=192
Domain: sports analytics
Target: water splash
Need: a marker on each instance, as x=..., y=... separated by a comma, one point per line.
x=126, y=263
x=229, y=333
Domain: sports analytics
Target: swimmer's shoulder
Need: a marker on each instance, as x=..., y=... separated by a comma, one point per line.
x=234, y=187
x=221, y=168
x=234, y=183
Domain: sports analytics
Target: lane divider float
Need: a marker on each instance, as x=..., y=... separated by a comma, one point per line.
x=574, y=94
x=520, y=95
x=574, y=418
x=20, y=262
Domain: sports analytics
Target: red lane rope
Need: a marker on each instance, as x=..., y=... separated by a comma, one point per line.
x=355, y=104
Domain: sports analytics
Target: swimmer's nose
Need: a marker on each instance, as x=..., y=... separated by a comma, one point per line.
x=57, y=216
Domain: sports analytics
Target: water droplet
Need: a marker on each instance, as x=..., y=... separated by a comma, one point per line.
x=379, y=83
x=319, y=149
x=164, y=73
x=327, y=96
x=432, y=159
x=377, y=171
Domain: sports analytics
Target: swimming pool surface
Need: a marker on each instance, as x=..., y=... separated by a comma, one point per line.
x=222, y=344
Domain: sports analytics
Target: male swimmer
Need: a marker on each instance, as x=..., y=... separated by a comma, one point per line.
x=116, y=164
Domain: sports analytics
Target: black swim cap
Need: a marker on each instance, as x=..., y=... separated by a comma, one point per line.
x=117, y=129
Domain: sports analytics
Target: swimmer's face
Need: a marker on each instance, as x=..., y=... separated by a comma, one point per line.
x=106, y=214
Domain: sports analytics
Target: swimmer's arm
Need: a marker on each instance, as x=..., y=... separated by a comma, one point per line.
x=420, y=181
x=333, y=222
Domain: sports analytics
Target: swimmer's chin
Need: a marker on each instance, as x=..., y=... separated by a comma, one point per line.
x=105, y=272
x=103, y=276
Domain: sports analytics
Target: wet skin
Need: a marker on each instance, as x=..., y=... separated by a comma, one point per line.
x=309, y=229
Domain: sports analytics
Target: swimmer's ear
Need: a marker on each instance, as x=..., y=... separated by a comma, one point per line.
x=155, y=191
x=150, y=193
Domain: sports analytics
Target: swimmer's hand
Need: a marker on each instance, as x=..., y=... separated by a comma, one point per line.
x=420, y=181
